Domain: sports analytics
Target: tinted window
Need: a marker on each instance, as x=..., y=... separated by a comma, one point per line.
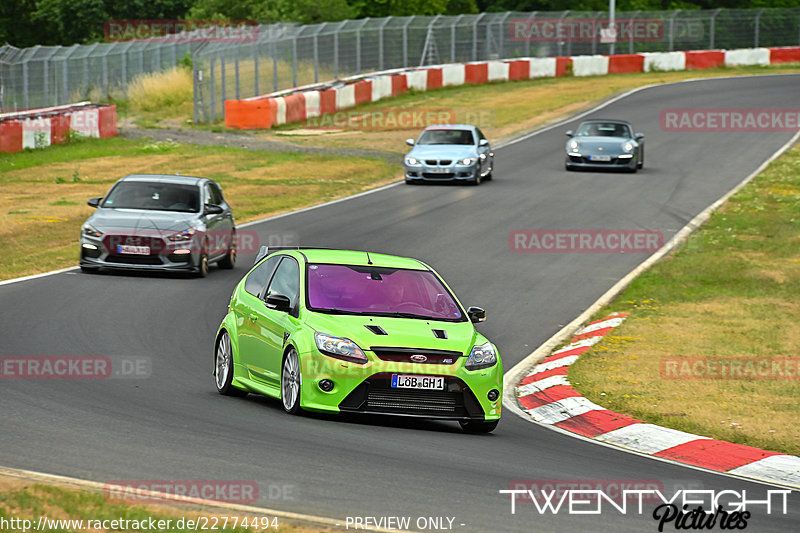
x=603, y=129
x=480, y=134
x=286, y=280
x=379, y=291
x=216, y=194
x=257, y=279
x=446, y=137
x=154, y=196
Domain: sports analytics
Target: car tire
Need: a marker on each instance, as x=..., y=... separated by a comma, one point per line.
x=229, y=261
x=488, y=177
x=223, y=367
x=476, y=427
x=202, y=265
x=640, y=164
x=291, y=382
x=476, y=179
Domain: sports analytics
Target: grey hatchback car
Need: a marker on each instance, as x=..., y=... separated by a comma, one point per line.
x=159, y=222
x=449, y=152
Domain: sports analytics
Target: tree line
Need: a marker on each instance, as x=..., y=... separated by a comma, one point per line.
x=26, y=23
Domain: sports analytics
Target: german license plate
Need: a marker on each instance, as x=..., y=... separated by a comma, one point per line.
x=416, y=381
x=438, y=170
x=600, y=158
x=133, y=250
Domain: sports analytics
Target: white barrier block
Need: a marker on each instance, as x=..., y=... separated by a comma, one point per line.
x=453, y=75
x=345, y=97
x=747, y=56
x=312, y=103
x=542, y=67
x=661, y=61
x=280, y=116
x=498, y=71
x=85, y=122
x=381, y=87
x=36, y=133
x=590, y=65
x=417, y=79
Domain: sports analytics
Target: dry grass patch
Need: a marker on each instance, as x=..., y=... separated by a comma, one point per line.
x=44, y=205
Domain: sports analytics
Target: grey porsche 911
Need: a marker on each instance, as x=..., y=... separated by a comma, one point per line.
x=605, y=144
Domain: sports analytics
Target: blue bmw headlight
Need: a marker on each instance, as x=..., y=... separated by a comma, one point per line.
x=411, y=161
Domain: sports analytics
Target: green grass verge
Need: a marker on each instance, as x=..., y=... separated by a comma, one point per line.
x=732, y=294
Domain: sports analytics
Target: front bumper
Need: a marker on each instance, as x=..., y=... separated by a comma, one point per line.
x=578, y=160
x=440, y=172
x=367, y=388
x=95, y=252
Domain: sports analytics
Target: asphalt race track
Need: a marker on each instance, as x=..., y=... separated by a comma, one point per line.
x=174, y=425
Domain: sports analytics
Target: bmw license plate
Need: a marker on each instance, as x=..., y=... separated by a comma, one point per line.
x=133, y=250
x=600, y=158
x=416, y=381
x=438, y=170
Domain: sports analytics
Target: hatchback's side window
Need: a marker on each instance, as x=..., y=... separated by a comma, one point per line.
x=216, y=194
x=257, y=280
x=480, y=134
x=286, y=281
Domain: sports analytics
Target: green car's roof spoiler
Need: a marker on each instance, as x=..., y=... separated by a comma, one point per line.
x=265, y=250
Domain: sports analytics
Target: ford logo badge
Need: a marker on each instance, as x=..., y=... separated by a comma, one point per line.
x=418, y=358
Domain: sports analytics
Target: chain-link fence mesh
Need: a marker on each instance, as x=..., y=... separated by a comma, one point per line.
x=284, y=56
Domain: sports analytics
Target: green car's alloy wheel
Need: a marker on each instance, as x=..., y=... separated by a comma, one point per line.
x=478, y=427
x=223, y=367
x=291, y=380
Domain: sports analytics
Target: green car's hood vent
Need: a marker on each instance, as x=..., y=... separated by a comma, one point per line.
x=398, y=332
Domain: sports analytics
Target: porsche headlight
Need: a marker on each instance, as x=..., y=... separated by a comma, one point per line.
x=90, y=230
x=411, y=161
x=482, y=356
x=467, y=161
x=628, y=146
x=340, y=348
x=573, y=145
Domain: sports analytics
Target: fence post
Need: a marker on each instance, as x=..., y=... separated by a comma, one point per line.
x=502, y=34
x=316, y=51
x=294, y=60
x=712, y=28
x=380, y=42
x=274, y=50
x=475, y=36
x=405, y=41
x=358, y=45
x=758, y=23
x=453, y=38
x=236, y=70
x=25, y=83
x=560, y=20
x=212, y=79
x=672, y=29
x=531, y=18
x=104, y=68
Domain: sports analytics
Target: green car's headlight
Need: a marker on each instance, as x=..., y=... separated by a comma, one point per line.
x=482, y=356
x=88, y=229
x=340, y=348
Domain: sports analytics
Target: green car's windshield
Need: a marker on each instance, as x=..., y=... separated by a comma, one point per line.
x=154, y=196
x=380, y=291
x=446, y=136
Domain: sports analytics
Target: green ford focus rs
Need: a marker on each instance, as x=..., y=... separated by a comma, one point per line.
x=356, y=332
